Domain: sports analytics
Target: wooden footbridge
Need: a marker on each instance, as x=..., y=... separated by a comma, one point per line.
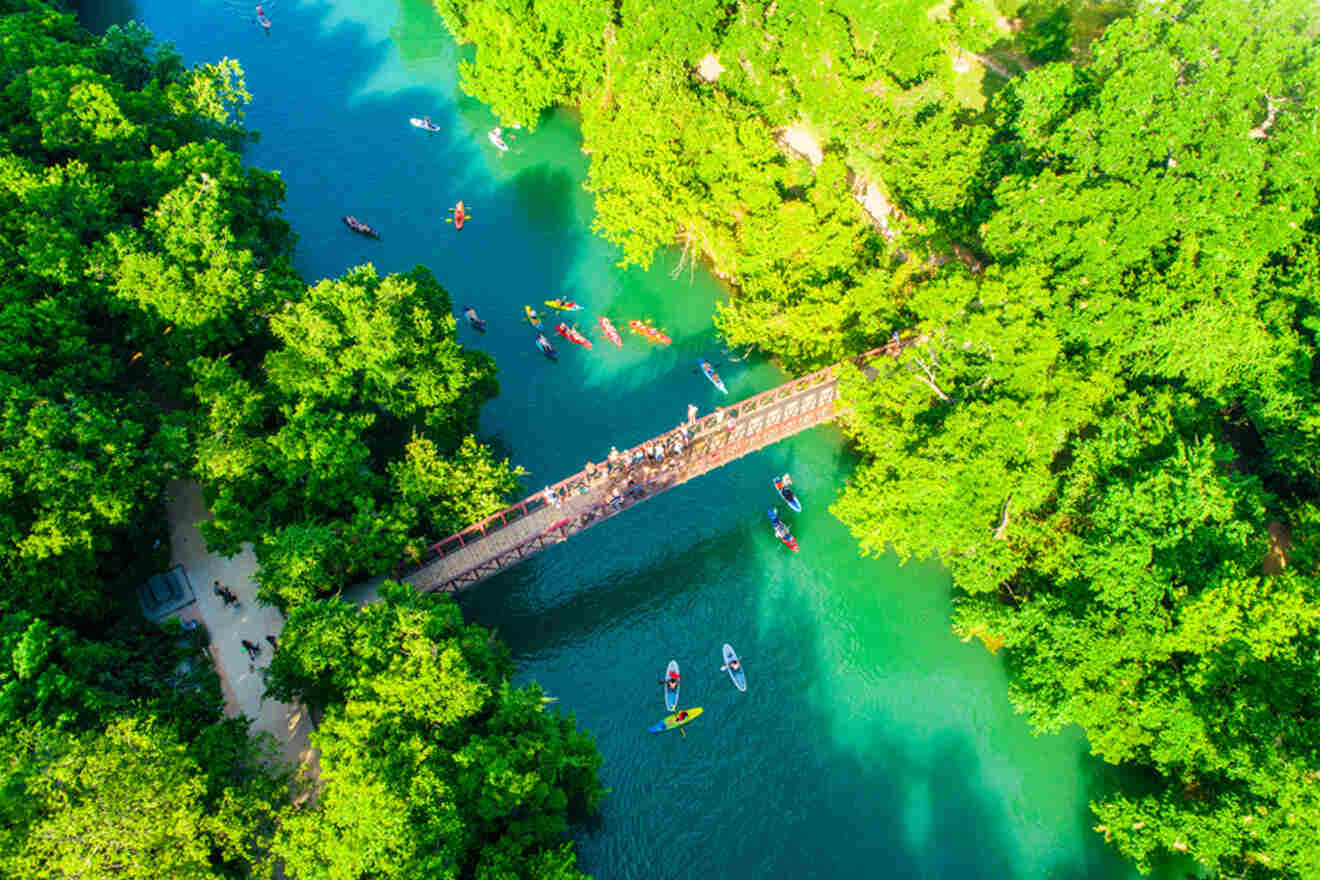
x=602, y=491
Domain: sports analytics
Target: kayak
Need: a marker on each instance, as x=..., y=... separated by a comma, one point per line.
x=610, y=333
x=460, y=215
x=790, y=497
x=359, y=227
x=713, y=376
x=781, y=530
x=739, y=677
x=572, y=335
x=477, y=324
x=496, y=140
x=423, y=124
x=649, y=332
x=673, y=721
x=546, y=348
x=564, y=305
x=533, y=318
x=671, y=693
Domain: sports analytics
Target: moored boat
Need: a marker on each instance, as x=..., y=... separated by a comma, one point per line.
x=359, y=227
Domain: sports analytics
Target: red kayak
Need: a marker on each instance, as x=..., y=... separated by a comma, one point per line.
x=572, y=335
x=460, y=215
x=610, y=333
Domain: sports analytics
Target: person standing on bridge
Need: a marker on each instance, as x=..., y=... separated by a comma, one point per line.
x=692, y=413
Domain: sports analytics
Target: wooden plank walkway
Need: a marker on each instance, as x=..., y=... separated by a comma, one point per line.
x=602, y=491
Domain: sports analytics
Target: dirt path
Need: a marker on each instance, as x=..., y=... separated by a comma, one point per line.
x=240, y=677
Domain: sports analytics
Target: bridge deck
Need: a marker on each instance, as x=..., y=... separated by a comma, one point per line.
x=602, y=491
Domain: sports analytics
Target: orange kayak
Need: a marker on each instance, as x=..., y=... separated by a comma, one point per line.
x=610, y=333
x=460, y=215
x=649, y=332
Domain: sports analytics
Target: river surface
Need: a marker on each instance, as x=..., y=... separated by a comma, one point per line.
x=870, y=742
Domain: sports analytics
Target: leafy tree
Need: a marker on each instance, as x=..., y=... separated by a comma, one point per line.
x=128, y=802
x=432, y=764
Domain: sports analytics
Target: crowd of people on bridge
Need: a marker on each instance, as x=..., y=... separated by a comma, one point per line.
x=625, y=477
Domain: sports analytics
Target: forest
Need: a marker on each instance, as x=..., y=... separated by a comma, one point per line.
x=153, y=329
x=1095, y=224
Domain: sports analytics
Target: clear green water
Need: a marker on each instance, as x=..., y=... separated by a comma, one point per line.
x=870, y=741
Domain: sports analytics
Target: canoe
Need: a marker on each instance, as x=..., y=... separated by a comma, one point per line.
x=497, y=141
x=546, y=348
x=564, y=305
x=713, y=376
x=533, y=318
x=423, y=124
x=460, y=215
x=671, y=693
x=572, y=335
x=359, y=227
x=673, y=721
x=787, y=537
x=790, y=497
x=739, y=677
x=610, y=333
x=649, y=332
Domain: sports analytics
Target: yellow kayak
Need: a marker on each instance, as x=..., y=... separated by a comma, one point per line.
x=674, y=720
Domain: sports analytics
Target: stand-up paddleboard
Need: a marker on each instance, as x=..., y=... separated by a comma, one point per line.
x=713, y=376
x=610, y=333
x=423, y=124
x=496, y=136
x=678, y=719
x=790, y=497
x=733, y=666
x=671, y=693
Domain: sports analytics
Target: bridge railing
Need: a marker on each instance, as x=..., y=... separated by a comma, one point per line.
x=582, y=481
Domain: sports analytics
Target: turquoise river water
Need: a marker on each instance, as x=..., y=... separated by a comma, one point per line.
x=870, y=742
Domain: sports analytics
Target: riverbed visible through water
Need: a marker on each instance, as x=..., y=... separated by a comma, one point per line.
x=870, y=741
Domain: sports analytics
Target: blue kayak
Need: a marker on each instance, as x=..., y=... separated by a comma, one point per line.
x=790, y=497
x=713, y=376
x=733, y=666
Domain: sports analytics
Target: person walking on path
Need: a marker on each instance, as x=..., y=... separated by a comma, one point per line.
x=274, y=643
x=252, y=648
